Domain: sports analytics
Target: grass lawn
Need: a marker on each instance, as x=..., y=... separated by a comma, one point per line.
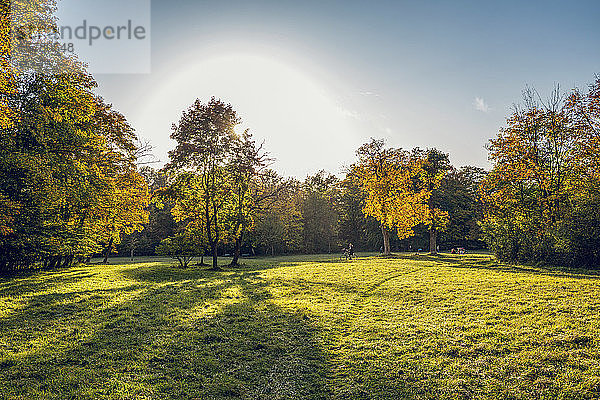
x=415, y=327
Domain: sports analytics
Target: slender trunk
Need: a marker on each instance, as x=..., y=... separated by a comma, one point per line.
x=212, y=240
x=236, y=251
x=216, y=237
x=239, y=228
x=272, y=251
x=215, y=266
x=432, y=240
x=386, y=241
x=108, y=249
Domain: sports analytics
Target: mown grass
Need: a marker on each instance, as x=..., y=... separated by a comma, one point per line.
x=415, y=327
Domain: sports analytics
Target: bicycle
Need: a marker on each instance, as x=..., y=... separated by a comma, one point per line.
x=346, y=255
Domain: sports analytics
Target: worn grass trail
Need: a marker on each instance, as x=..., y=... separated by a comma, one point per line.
x=302, y=327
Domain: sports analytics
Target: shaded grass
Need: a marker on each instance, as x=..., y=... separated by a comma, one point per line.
x=455, y=327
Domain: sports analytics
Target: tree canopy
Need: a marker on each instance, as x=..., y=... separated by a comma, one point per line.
x=545, y=175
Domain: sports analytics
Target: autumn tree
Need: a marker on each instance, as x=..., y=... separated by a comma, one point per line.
x=394, y=195
x=61, y=152
x=123, y=212
x=160, y=220
x=246, y=165
x=545, y=174
x=205, y=135
x=584, y=109
x=527, y=188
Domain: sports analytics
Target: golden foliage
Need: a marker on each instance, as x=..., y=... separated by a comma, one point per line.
x=395, y=192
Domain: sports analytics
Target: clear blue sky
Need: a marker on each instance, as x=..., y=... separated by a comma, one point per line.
x=317, y=79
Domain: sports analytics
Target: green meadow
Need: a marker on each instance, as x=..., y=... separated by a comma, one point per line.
x=304, y=327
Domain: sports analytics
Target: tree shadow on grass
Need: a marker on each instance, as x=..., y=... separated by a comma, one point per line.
x=186, y=334
x=36, y=281
x=162, y=274
x=488, y=262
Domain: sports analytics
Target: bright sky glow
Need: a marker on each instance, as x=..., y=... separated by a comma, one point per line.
x=280, y=104
x=315, y=80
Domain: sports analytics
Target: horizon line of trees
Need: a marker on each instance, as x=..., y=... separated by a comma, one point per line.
x=321, y=214
x=217, y=195
x=73, y=184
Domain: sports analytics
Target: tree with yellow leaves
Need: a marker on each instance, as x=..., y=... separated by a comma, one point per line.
x=122, y=211
x=541, y=197
x=67, y=161
x=395, y=194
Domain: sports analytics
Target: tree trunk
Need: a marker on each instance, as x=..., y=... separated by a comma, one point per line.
x=236, y=251
x=107, y=252
x=215, y=265
x=386, y=241
x=432, y=240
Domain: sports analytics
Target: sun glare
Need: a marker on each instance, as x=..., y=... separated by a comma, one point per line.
x=302, y=121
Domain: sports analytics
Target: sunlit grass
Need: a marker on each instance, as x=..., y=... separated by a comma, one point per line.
x=302, y=327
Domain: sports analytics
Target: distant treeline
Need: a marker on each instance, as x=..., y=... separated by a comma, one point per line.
x=323, y=214
x=72, y=185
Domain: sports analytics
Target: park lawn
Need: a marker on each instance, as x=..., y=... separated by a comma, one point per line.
x=310, y=327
